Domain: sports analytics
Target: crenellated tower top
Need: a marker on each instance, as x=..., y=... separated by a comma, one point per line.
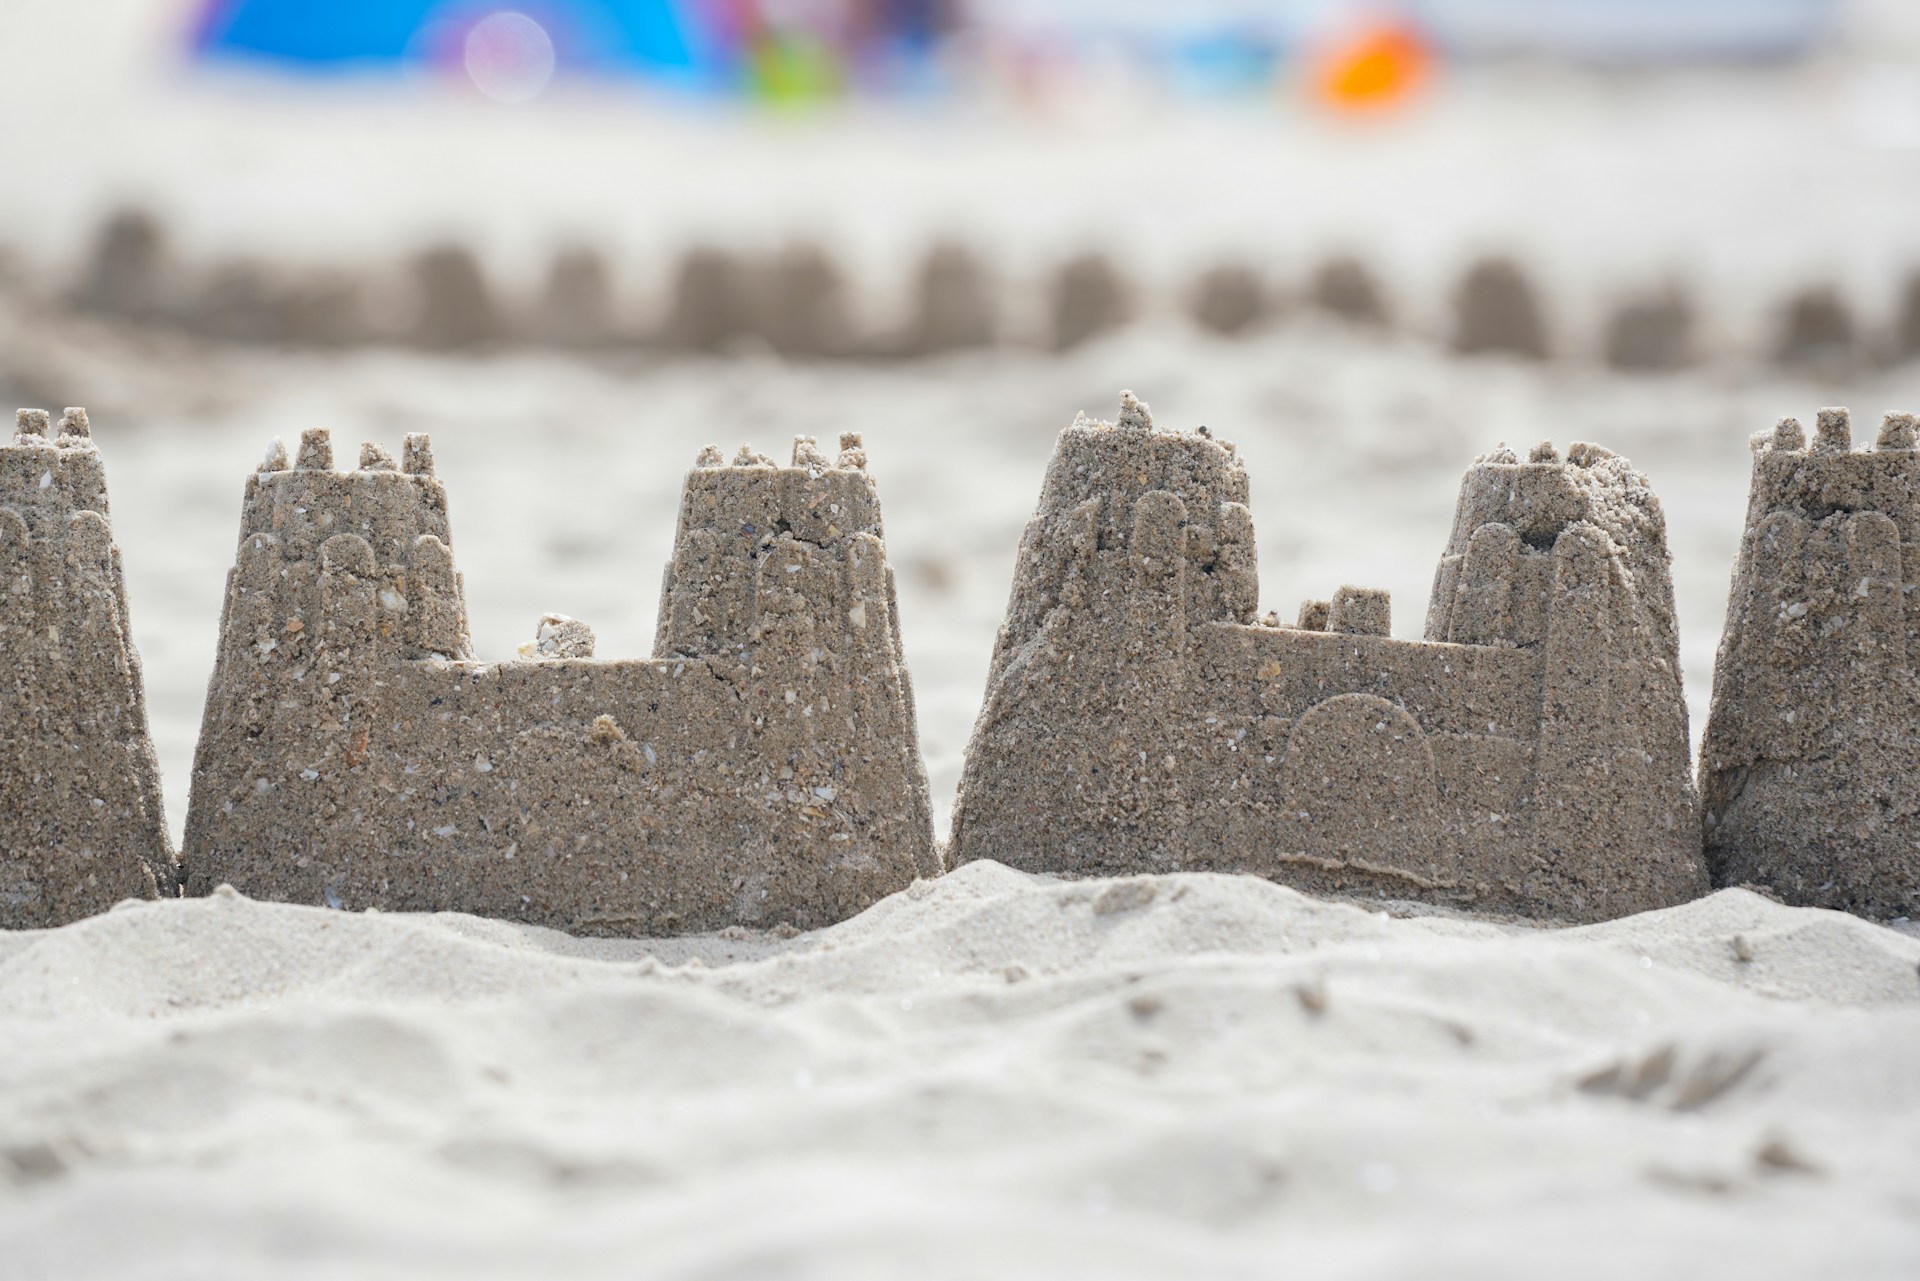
x=48, y=471
x=1828, y=476
x=308, y=502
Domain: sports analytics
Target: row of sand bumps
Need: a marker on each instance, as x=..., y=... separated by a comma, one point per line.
x=800, y=302
x=1529, y=756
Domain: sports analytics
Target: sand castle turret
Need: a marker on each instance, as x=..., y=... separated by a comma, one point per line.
x=762, y=768
x=80, y=818
x=1530, y=755
x=1807, y=768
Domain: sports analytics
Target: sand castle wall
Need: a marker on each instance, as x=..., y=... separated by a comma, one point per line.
x=80, y=818
x=1807, y=767
x=762, y=769
x=1531, y=755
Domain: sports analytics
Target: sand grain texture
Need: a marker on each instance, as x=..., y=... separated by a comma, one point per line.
x=80, y=819
x=1807, y=763
x=989, y=1074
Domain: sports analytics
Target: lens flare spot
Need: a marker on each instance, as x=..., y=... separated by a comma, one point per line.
x=1377, y=67
x=509, y=57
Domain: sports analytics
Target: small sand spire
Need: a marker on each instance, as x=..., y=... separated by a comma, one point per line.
x=711, y=456
x=1898, y=431
x=74, y=423
x=1832, y=432
x=1313, y=615
x=316, y=450
x=1544, y=452
x=276, y=459
x=1135, y=414
x=751, y=457
x=416, y=456
x=1502, y=454
x=1789, y=434
x=374, y=458
x=806, y=453
x=30, y=422
x=559, y=636
x=853, y=455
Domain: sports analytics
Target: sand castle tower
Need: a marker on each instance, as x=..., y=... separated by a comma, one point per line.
x=763, y=768
x=80, y=819
x=1530, y=755
x=1807, y=769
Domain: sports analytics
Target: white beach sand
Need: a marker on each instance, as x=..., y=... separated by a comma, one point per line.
x=989, y=1075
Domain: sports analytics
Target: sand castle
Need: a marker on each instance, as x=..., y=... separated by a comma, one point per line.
x=1807, y=769
x=763, y=768
x=79, y=787
x=1531, y=755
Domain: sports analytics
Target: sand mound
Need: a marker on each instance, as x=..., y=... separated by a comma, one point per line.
x=1497, y=311
x=1229, y=299
x=1088, y=297
x=457, y=308
x=1652, y=333
x=1181, y=1075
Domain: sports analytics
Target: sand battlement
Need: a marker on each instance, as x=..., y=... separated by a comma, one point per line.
x=306, y=527
x=1137, y=718
x=79, y=786
x=737, y=519
x=1806, y=767
x=49, y=470
x=1827, y=475
x=762, y=767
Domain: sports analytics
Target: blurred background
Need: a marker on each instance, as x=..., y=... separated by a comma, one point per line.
x=578, y=239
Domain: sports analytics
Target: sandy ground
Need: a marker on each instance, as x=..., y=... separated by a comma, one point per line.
x=988, y=1075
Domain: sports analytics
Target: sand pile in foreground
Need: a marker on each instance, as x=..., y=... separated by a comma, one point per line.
x=991, y=1074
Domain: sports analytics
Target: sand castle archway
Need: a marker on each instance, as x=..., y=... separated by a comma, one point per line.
x=1358, y=785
